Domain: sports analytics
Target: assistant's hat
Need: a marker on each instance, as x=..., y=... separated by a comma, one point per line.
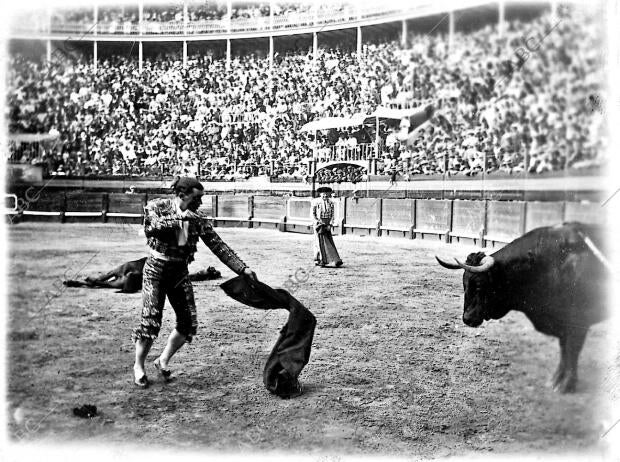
x=324, y=189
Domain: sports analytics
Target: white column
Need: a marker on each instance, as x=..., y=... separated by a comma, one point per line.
x=95, y=49
x=185, y=17
x=229, y=13
x=315, y=45
x=48, y=50
x=270, y=53
x=95, y=17
x=141, y=18
x=501, y=22
x=270, y=14
x=403, y=38
x=315, y=7
x=315, y=148
x=451, y=31
x=184, y=53
x=451, y=27
x=227, y=53
x=48, y=11
x=554, y=11
x=359, y=42
x=140, y=55
x=377, y=137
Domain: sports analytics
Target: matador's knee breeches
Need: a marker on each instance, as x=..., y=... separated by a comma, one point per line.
x=161, y=278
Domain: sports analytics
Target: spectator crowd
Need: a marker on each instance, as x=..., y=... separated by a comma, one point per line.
x=173, y=12
x=494, y=110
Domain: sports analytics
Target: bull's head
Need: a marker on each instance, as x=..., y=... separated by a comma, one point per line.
x=477, y=285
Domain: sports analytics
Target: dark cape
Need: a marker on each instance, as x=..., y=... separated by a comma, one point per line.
x=292, y=350
x=327, y=248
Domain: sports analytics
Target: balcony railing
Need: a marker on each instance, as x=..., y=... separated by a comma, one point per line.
x=408, y=104
x=261, y=24
x=360, y=152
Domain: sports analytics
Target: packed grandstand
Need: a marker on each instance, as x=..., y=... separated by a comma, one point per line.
x=495, y=108
x=118, y=17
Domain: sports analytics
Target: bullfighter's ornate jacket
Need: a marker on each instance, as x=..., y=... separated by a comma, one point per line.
x=322, y=211
x=161, y=224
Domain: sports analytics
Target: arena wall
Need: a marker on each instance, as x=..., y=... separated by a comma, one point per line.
x=484, y=222
x=534, y=188
x=468, y=219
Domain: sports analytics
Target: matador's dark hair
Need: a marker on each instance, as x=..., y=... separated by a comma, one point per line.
x=185, y=185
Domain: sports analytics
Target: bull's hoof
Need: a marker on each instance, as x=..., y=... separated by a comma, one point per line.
x=556, y=378
x=566, y=384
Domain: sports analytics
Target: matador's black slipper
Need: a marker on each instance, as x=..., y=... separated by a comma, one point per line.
x=165, y=373
x=86, y=411
x=142, y=382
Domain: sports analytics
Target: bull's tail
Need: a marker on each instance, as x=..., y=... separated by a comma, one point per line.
x=74, y=283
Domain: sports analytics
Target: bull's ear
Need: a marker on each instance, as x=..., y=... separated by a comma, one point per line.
x=474, y=259
x=485, y=265
x=447, y=265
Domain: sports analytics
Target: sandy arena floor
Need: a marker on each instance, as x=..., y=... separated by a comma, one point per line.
x=393, y=369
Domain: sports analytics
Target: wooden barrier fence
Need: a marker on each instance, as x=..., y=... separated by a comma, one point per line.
x=398, y=217
x=468, y=220
x=363, y=216
x=269, y=211
x=484, y=221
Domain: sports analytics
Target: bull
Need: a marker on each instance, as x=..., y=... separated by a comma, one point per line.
x=556, y=276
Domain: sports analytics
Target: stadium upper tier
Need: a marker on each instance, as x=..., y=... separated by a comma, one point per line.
x=185, y=24
x=498, y=110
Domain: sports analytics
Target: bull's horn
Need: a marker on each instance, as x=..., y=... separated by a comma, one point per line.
x=446, y=264
x=485, y=265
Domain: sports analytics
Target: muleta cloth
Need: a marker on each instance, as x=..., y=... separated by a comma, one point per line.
x=292, y=349
x=324, y=189
x=329, y=253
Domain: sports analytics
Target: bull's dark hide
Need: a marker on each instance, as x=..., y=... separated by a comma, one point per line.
x=558, y=276
x=128, y=277
x=292, y=349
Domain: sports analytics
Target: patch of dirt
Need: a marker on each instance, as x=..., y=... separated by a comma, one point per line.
x=393, y=369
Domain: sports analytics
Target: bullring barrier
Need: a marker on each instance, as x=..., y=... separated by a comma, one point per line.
x=484, y=221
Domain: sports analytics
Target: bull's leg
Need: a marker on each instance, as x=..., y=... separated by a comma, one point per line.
x=574, y=342
x=117, y=272
x=559, y=373
x=114, y=284
x=103, y=277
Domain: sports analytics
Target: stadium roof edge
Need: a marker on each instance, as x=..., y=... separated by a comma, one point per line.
x=432, y=9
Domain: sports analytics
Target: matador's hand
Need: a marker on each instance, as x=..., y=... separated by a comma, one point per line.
x=250, y=274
